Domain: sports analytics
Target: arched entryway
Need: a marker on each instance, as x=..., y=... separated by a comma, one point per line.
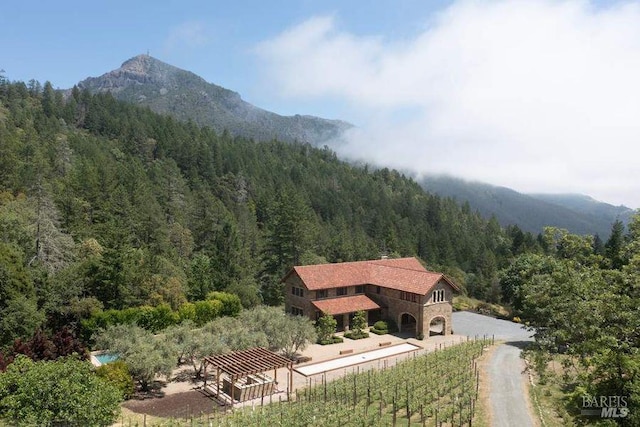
x=437, y=326
x=407, y=323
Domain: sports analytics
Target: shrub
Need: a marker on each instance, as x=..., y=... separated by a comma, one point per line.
x=231, y=304
x=117, y=374
x=359, y=322
x=187, y=311
x=206, y=311
x=157, y=318
x=380, y=328
x=331, y=340
x=61, y=392
x=381, y=325
x=354, y=335
x=326, y=327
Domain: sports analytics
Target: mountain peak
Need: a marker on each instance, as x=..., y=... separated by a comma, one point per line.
x=166, y=89
x=139, y=64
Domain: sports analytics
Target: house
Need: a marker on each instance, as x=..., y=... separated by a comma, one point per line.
x=401, y=289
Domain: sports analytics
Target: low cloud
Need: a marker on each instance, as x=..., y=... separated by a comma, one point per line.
x=540, y=96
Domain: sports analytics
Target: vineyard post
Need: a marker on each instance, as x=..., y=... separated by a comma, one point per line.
x=408, y=408
x=355, y=390
x=324, y=381
x=477, y=382
x=394, y=410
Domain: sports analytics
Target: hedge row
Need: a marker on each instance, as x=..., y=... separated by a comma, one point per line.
x=160, y=317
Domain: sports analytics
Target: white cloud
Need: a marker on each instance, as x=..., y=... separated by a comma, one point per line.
x=538, y=95
x=191, y=34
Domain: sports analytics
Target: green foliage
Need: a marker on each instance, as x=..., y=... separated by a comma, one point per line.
x=19, y=313
x=326, y=327
x=106, y=202
x=359, y=322
x=156, y=319
x=146, y=355
x=65, y=391
x=206, y=311
x=187, y=312
x=352, y=335
x=410, y=392
x=231, y=304
x=117, y=374
x=380, y=328
x=587, y=309
x=334, y=339
x=381, y=325
x=284, y=332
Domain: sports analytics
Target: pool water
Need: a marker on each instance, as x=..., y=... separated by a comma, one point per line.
x=106, y=357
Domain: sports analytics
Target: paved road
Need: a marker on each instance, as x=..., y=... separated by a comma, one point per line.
x=506, y=381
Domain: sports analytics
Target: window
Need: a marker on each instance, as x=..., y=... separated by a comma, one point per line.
x=341, y=291
x=299, y=292
x=438, y=295
x=409, y=296
x=297, y=311
x=360, y=289
x=322, y=293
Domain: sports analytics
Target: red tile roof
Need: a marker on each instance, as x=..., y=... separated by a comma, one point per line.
x=404, y=274
x=345, y=304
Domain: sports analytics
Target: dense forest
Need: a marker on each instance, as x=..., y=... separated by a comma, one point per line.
x=107, y=205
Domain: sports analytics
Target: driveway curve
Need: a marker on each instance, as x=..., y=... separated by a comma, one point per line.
x=509, y=406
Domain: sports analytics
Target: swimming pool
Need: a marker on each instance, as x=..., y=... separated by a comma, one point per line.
x=106, y=358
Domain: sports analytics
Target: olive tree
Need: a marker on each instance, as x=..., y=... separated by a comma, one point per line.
x=146, y=355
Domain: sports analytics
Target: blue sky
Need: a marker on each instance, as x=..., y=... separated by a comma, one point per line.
x=67, y=41
x=535, y=95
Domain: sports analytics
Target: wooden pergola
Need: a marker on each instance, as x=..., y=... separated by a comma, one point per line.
x=244, y=363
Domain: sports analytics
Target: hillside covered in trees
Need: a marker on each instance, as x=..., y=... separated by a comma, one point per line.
x=105, y=205
x=108, y=205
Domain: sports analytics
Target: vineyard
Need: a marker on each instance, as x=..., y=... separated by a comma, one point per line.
x=436, y=389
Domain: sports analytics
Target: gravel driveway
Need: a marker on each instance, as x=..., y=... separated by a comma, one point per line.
x=505, y=369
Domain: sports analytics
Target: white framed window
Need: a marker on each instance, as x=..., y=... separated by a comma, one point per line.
x=438, y=295
x=297, y=311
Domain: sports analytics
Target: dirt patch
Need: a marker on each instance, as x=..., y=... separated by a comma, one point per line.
x=179, y=405
x=484, y=414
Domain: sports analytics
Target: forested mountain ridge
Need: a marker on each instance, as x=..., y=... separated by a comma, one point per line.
x=107, y=204
x=146, y=81
x=531, y=212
